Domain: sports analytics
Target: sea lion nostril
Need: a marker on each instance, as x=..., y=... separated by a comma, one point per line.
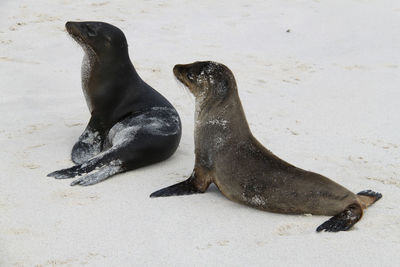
x=68, y=26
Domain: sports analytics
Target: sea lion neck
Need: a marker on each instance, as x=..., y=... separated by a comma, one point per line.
x=114, y=67
x=227, y=110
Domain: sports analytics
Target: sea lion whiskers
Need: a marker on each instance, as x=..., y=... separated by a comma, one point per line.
x=184, y=88
x=78, y=39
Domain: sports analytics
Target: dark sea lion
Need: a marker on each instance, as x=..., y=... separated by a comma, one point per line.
x=131, y=124
x=228, y=155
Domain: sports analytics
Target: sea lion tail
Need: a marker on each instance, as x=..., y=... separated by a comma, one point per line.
x=352, y=214
x=368, y=197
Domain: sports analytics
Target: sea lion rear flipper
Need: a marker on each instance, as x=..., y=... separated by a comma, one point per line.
x=67, y=173
x=342, y=221
x=193, y=185
x=96, y=162
x=102, y=174
x=369, y=197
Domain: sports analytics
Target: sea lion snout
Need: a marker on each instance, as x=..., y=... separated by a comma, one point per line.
x=184, y=75
x=82, y=29
x=75, y=31
x=70, y=26
x=178, y=70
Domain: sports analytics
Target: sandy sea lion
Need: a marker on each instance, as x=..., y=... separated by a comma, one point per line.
x=228, y=155
x=131, y=124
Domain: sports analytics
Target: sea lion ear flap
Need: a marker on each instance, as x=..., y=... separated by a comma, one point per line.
x=107, y=40
x=226, y=83
x=222, y=88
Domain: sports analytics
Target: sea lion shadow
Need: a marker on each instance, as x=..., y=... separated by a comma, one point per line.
x=213, y=189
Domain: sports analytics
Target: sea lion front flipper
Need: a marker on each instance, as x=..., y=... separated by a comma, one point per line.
x=195, y=184
x=342, y=221
x=89, y=144
x=183, y=188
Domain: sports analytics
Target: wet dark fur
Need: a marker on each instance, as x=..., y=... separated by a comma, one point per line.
x=117, y=97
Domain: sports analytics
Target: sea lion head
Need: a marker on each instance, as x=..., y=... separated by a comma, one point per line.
x=206, y=79
x=98, y=37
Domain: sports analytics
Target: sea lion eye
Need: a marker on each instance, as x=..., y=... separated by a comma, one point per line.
x=90, y=32
x=189, y=75
x=108, y=38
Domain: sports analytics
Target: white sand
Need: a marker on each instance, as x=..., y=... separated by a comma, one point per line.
x=324, y=96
